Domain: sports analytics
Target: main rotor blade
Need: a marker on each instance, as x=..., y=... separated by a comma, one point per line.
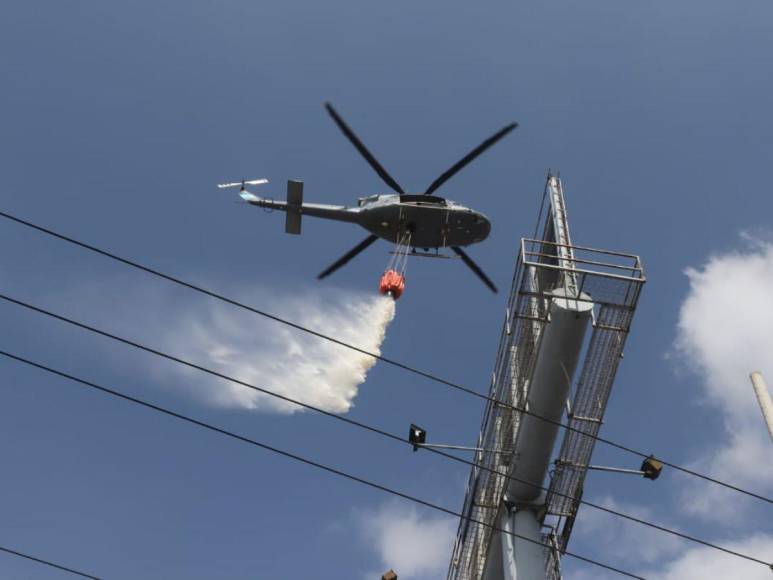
x=347, y=256
x=474, y=267
x=388, y=179
x=469, y=157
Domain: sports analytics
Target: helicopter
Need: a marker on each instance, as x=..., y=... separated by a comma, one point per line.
x=415, y=220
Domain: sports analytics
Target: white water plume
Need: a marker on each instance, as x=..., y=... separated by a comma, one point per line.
x=276, y=357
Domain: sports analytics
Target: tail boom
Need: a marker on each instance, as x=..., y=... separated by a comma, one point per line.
x=295, y=208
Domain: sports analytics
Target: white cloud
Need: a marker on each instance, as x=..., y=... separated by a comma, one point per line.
x=725, y=331
x=656, y=555
x=417, y=546
x=629, y=541
x=726, y=324
x=703, y=563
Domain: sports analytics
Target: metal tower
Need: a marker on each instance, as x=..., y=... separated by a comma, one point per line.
x=567, y=305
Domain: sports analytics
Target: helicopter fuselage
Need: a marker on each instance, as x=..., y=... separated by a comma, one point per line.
x=433, y=222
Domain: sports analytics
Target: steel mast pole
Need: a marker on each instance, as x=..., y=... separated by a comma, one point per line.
x=763, y=397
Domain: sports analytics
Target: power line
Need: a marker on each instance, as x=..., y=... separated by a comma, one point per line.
x=47, y=563
x=301, y=459
x=379, y=357
x=361, y=425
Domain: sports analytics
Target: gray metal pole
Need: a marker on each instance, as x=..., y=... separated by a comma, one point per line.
x=763, y=397
x=616, y=469
x=459, y=447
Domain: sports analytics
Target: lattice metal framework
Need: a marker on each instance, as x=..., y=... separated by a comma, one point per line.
x=613, y=281
x=616, y=296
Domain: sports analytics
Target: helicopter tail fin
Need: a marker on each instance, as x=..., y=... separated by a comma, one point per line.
x=247, y=196
x=294, y=205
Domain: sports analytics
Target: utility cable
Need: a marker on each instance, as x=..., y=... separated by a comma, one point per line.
x=364, y=426
x=379, y=357
x=301, y=459
x=48, y=563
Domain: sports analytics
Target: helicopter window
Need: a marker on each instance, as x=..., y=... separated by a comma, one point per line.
x=366, y=200
x=428, y=199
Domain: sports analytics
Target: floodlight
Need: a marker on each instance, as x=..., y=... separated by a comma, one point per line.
x=417, y=436
x=651, y=467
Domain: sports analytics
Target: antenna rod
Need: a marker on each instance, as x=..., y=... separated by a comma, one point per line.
x=460, y=448
x=616, y=469
x=763, y=397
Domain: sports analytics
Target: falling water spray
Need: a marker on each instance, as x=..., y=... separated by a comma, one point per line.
x=282, y=359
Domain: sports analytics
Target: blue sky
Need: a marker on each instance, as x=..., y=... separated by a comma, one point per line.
x=118, y=121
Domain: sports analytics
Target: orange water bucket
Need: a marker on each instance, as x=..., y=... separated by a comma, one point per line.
x=392, y=283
